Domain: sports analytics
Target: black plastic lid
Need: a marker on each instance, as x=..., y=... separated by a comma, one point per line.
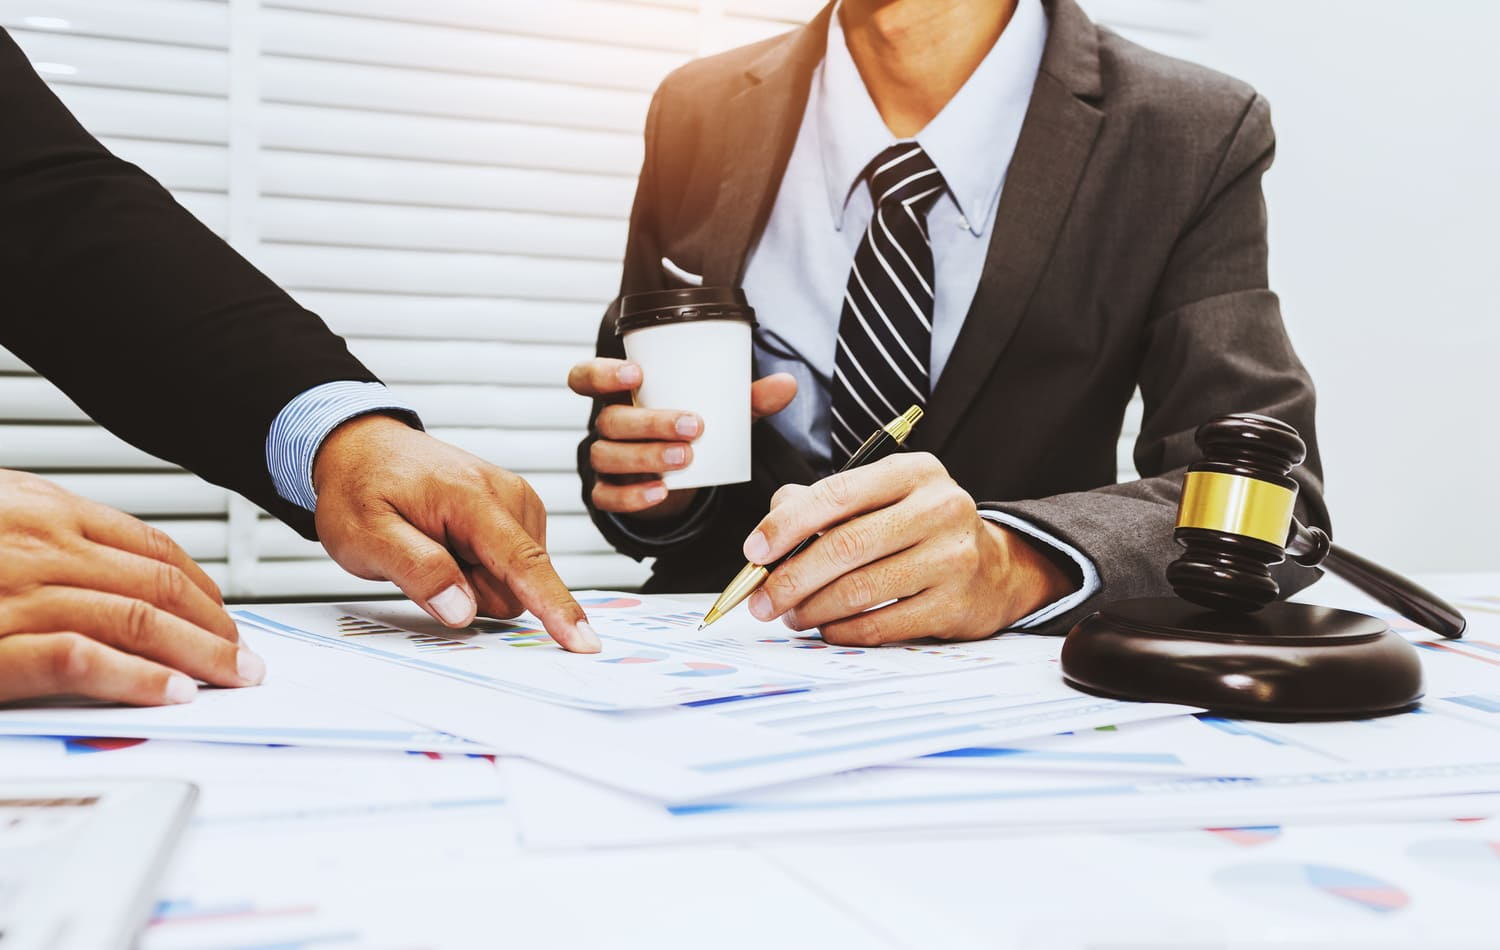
x=658, y=307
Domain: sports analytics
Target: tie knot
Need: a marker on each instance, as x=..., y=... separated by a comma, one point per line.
x=903, y=173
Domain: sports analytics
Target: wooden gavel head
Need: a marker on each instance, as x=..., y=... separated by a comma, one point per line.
x=1235, y=517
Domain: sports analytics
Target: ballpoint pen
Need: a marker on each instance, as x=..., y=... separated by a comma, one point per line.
x=886, y=440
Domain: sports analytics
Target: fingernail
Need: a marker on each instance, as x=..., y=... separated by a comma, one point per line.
x=588, y=640
x=757, y=548
x=656, y=493
x=452, y=606
x=688, y=425
x=790, y=619
x=629, y=375
x=252, y=669
x=676, y=455
x=760, y=605
x=179, y=689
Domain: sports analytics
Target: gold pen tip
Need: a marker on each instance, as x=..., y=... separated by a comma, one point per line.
x=901, y=427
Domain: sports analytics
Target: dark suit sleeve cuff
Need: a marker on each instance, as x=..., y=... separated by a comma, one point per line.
x=661, y=533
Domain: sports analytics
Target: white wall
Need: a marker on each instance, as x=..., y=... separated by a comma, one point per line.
x=1384, y=205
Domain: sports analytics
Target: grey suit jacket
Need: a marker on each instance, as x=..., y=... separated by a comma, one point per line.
x=1129, y=250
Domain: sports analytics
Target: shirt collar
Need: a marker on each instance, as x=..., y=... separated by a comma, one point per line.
x=980, y=123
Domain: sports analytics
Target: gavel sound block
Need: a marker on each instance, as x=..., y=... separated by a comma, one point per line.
x=1224, y=642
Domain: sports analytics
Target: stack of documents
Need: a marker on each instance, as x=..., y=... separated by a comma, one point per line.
x=378, y=727
x=671, y=734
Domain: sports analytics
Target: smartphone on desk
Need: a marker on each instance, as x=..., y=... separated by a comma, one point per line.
x=80, y=861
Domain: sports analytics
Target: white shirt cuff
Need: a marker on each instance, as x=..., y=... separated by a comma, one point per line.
x=302, y=425
x=1086, y=568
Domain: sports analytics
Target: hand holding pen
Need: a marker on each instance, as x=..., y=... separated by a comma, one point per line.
x=893, y=532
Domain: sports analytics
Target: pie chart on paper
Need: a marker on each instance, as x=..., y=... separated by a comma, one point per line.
x=636, y=659
x=609, y=603
x=85, y=746
x=1313, y=888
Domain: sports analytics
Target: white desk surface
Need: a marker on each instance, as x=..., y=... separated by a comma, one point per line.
x=475, y=887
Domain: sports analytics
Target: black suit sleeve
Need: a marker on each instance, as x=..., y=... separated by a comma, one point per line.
x=154, y=326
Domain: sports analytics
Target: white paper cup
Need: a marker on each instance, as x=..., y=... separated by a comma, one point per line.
x=694, y=349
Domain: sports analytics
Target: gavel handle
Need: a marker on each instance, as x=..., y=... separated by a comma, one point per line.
x=1312, y=546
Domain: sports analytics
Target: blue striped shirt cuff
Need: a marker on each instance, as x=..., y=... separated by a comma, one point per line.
x=1086, y=569
x=300, y=428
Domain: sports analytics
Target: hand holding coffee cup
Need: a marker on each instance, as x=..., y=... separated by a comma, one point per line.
x=688, y=423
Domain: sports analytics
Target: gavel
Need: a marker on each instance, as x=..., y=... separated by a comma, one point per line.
x=1225, y=642
x=1236, y=521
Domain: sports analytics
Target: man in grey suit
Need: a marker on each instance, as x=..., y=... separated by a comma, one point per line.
x=994, y=208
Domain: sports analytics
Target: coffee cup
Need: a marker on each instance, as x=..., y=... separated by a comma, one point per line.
x=693, y=345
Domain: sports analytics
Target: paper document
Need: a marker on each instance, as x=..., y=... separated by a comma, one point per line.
x=685, y=752
x=256, y=783
x=653, y=656
x=557, y=810
x=278, y=711
x=1445, y=730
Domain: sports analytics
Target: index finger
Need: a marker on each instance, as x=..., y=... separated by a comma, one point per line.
x=832, y=501
x=601, y=376
x=500, y=545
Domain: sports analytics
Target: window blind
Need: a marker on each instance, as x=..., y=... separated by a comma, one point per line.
x=445, y=182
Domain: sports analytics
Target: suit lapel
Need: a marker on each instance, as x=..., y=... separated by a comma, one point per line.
x=760, y=129
x=1056, y=140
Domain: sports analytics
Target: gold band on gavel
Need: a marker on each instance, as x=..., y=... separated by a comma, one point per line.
x=1237, y=504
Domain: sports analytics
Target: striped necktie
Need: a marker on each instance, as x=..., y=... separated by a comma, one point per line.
x=885, y=328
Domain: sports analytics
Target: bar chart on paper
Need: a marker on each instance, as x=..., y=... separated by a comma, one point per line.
x=653, y=653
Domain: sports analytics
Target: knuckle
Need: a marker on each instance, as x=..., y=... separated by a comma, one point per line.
x=171, y=585
x=786, y=494
x=156, y=543
x=861, y=631
x=926, y=462
x=70, y=659
x=600, y=496
x=608, y=422
x=424, y=565
x=956, y=503
x=598, y=453
x=835, y=490
x=784, y=586
x=582, y=378
x=137, y=621
x=858, y=591
x=528, y=557
x=847, y=545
